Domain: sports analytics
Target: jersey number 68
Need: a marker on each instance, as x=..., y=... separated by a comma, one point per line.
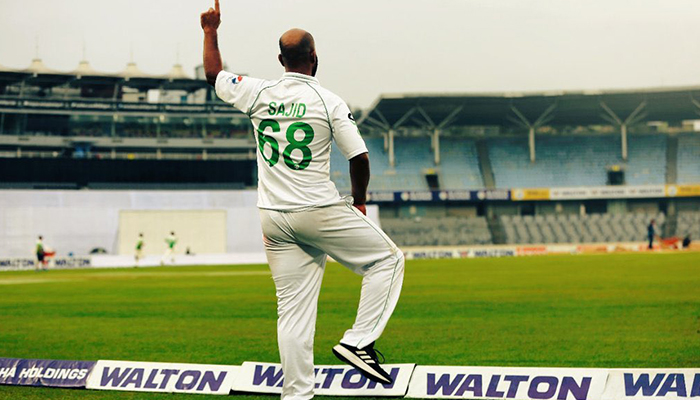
x=293, y=143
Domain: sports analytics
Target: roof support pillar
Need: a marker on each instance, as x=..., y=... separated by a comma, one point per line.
x=436, y=129
x=636, y=116
x=542, y=120
x=531, y=143
x=436, y=145
x=390, y=137
x=623, y=140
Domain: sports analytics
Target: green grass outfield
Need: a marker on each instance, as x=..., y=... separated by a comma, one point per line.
x=619, y=310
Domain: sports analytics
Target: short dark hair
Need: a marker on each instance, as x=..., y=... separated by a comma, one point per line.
x=298, y=54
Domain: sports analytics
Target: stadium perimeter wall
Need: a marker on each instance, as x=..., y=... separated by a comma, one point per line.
x=78, y=221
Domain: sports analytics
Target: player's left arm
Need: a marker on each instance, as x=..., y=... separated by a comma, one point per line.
x=210, y=21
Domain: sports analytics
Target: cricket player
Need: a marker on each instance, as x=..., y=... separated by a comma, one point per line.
x=303, y=217
x=170, y=241
x=40, y=254
x=139, y=249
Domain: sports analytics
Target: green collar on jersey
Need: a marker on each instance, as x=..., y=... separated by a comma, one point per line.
x=296, y=75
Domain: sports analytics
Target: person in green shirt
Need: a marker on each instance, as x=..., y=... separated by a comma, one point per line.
x=139, y=249
x=170, y=241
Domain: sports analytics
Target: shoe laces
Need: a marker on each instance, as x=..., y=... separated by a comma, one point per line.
x=376, y=358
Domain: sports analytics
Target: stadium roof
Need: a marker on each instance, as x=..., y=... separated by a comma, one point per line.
x=37, y=74
x=435, y=111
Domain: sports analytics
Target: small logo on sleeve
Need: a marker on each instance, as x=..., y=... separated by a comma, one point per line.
x=351, y=117
x=237, y=80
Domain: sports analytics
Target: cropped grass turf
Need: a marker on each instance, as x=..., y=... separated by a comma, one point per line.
x=620, y=310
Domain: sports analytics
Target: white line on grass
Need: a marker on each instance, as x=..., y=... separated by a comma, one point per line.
x=128, y=275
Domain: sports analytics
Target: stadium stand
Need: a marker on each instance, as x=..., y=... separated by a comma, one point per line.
x=688, y=224
x=412, y=154
x=689, y=158
x=444, y=231
x=573, y=228
x=576, y=160
x=459, y=167
x=562, y=161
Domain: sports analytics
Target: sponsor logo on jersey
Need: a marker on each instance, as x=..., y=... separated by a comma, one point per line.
x=237, y=80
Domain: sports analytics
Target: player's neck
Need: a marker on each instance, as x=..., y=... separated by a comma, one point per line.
x=301, y=70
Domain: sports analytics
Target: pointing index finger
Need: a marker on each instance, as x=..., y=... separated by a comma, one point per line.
x=216, y=6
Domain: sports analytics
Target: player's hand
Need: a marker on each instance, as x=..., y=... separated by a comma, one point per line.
x=361, y=207
x=211, y=19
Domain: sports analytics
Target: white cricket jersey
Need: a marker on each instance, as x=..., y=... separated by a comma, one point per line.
x=294, y=121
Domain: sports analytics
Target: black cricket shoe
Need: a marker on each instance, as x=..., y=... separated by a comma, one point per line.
x=365, y=361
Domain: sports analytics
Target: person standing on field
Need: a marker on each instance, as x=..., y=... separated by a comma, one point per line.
x=170, y=241
x=139, y=249
x=303, y=217
x=40, y=254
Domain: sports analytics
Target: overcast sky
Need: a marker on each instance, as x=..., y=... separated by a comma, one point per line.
x=367, y=48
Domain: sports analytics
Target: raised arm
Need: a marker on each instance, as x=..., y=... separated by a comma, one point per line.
x=359, y=176
x=210, y=21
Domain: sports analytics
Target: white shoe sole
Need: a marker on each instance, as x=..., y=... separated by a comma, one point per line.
x=357, y=362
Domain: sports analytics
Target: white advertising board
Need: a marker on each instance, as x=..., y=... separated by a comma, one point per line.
x=135, y=376
x=507, y=383
x=331, y=380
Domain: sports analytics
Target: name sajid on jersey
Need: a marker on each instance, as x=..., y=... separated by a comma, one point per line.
x=295, y=110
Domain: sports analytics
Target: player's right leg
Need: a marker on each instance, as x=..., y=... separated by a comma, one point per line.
x=297, y=271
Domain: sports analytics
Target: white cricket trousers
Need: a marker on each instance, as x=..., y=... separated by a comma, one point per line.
x=296, y=244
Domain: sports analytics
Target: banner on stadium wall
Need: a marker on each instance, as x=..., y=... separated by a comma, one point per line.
x=530, y=194
x=683, y=190
x=607, y=192
x=439, y=196
x=429, y=253
x=49, y=373
x=538, y=194
x=134, y=376
x=25, y=263
x=507, y=383
x=331, y=380
x=637, y=384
